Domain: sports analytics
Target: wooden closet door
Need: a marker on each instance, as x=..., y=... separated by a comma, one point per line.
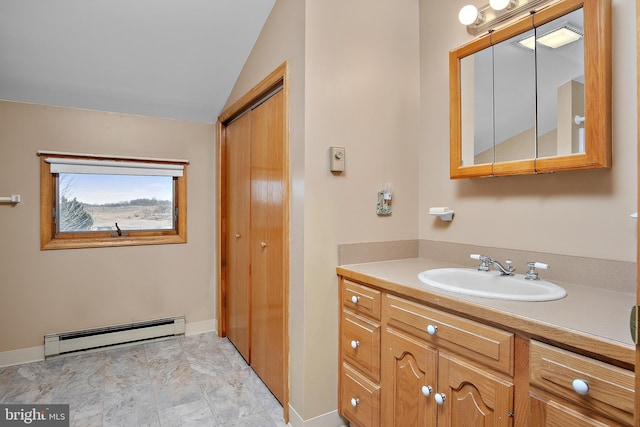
x=238, y=198
x=267, y=245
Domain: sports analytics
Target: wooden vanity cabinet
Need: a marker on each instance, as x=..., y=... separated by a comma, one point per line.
x=409, y=355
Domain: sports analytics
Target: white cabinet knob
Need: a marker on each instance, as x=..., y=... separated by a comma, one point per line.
x=580, y=386
x=238, y=235
x=355, y=344
x=440, y=397
x=355, y=299
x=426, y=390
x=432, y=329
x=354, y=401
x=263, y=245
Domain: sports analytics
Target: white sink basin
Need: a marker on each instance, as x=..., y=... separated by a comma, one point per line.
x=490, y=284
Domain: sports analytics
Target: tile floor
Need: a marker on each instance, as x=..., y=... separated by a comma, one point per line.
x=199, y=380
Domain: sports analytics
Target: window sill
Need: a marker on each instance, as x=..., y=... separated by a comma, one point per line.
x=107, y=242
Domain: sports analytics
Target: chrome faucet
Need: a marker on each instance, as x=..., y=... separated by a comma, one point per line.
x=485, y=262
x=532, y=274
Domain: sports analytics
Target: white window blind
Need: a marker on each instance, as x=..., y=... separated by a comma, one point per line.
x=110, y=167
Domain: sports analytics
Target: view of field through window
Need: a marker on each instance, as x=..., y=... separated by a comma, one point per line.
x=94, y=202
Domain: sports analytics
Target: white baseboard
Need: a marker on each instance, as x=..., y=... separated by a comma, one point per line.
x=330, y=419
x=36, y=354
x=22, y=355
x=204, y=326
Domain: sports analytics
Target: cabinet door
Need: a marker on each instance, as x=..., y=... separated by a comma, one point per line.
x=267, y=243
x=472, y=397
x=238, y=196
x=408, y=366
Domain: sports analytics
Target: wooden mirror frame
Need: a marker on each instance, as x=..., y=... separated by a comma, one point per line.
x=597, y=72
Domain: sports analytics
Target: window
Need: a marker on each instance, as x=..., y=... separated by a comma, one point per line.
x=92, y=201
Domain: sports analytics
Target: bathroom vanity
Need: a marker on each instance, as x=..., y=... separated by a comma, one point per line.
x=412, y=355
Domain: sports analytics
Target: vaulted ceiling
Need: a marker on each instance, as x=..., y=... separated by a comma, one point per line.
x=163, y=58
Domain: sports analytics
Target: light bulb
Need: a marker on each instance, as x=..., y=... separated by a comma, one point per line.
x=468, y=14
x=499, y=4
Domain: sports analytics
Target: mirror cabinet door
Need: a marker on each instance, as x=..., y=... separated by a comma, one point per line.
x=560, y=86
x=587, y=144
x=515, y=100
x=467, y=137
x=476, y=102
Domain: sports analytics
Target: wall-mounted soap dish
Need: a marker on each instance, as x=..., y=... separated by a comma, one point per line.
x=445, y=214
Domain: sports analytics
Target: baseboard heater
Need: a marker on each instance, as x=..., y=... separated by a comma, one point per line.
x=68, y=342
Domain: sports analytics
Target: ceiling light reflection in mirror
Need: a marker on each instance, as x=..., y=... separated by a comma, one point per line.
x=557, y=38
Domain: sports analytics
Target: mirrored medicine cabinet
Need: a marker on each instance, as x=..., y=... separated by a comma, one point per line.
x=524, y=103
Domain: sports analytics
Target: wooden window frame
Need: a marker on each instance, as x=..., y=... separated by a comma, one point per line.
x=51, y=239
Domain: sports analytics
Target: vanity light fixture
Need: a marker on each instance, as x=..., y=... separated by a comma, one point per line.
x=469, y=15
x=502, y=4
x=559, y=37
x=497, y=12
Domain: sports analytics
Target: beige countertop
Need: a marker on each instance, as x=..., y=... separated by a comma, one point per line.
x=588, y=319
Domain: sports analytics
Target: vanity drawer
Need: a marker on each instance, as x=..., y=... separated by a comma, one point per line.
x=361, y=299
x=485, y=344
x=361, y=343
x=610, y=389
x=359, y=399
x=551, y=413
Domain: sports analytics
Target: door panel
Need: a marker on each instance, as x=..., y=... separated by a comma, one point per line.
x=238, y=196
x=408, y=366
x=267, y=244
x=472, y=397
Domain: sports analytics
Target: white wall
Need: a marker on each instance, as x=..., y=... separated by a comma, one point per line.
x=362, y=92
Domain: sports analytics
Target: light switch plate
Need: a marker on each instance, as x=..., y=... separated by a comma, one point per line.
x=336, y=159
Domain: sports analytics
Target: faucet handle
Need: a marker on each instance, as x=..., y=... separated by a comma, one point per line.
x=510, y=268
x=484, y=261
x=532, y=274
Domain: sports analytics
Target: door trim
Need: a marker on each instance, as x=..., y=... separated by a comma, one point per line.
x=277, y=78
x=637, y=367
